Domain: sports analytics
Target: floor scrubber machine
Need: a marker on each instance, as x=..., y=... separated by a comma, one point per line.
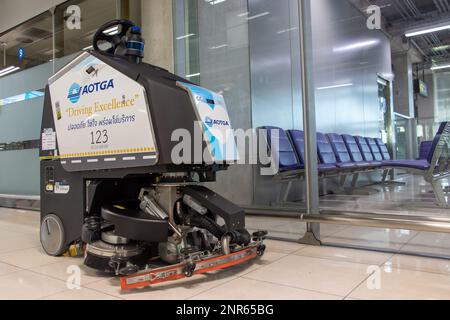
x=108, y=179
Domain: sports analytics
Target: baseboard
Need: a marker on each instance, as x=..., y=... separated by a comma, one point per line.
x=20, y=202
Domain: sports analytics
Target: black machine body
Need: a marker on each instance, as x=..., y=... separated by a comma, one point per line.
x=108, y=179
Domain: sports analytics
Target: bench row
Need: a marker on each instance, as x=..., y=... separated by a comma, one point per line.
x=337, y=152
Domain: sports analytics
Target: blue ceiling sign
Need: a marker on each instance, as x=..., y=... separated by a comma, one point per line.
x=21, y=53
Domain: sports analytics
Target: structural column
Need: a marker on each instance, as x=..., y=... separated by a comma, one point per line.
x=309, y=120
x=157, y=24
x=404, y=97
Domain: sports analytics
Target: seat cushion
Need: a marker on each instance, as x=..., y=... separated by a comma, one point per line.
x=384, y=149
x=340, y=148
x=284, y=153
x=374, y=149
x=325, y=150
x=434, y=146
x=327, y=167
x=346, y=165
x=363, y=164
x=353, y=148
x=425, y=148
x=364, y=148
x=408, y=164
x=298, y=142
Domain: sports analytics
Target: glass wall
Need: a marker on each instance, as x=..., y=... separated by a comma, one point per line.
x=32, y=52
x=249, y=50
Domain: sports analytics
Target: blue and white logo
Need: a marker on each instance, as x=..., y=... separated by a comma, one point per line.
x=209, y=122
x=74, y=93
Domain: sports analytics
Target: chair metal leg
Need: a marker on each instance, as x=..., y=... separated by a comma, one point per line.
x=355, y=180
x=287, y=191
x=283, y=195
x=342, y=181
x=385, y=175
x=440, y=194
x=389, y=173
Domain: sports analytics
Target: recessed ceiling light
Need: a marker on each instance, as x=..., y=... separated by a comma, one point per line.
x=431, y=29
x=336, y=86
x=8, y=70
x=440, y=67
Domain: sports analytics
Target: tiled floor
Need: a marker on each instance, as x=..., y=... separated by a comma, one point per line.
x=415, y=198
x=287, y=271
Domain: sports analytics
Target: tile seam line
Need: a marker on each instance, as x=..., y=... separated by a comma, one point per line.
x=335, y=260
x=292, y=287
x=238, y=277
x=95, y=290
x=55, y=278
x=359, y=285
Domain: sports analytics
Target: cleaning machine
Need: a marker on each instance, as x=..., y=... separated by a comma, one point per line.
x=109, y=186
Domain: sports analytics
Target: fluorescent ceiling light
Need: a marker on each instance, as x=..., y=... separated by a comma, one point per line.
x=8, y=70
x=240, y=15
x=286, y=30
x=219, y=47
x=213, y=2
x=258, y=16
x=88, y=48
x=441, y=48
x=440, y=67
x=416, y=32
x=355, y=46
x=186, y=36
x=336, y=86
x=112, y=31
x=192, y=75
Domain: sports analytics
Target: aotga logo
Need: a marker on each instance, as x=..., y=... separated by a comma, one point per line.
x=76, y=91
x=211, y=122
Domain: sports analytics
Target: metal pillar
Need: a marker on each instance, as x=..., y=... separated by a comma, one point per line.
x=309, y=122
x=52, y=11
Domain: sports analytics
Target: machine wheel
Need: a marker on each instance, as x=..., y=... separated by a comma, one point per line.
x=261, y=250
x=189, y=270
x=53, y=236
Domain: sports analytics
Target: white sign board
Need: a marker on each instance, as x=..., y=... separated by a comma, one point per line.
x=211, y=110
x=99, y=111
x=49, y=140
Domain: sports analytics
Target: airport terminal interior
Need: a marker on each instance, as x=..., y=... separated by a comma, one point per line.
x=341, y=190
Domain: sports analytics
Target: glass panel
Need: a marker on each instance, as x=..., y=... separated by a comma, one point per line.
x=252, y=56
x=21, y=91
x=27, y=45
x=404, y=110
x=248, y=51
x=20, y=121
x=402, y=134
x=93, y=14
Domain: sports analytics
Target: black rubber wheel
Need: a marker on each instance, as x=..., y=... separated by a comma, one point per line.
x=261, y=250
x=128, y=271
x=53, y=236
x=189, y=270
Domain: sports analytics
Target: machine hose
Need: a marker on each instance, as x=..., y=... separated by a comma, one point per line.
x=240, y=237
x=207, y=223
